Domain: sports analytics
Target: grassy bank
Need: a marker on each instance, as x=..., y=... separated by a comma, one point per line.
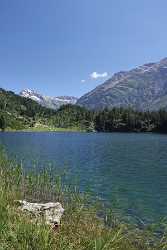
x=53, y=129
x=44, y=128
x=81, y=229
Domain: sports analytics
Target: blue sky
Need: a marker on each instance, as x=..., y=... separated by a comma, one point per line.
x=67, y=47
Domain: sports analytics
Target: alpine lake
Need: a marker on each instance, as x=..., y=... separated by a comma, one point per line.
x=125, y=171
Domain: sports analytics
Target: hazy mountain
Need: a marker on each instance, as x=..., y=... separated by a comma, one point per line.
x=142, y=88
x=47, y=101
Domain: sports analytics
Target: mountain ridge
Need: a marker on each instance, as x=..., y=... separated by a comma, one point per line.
x=47, y=101
x=142, y=88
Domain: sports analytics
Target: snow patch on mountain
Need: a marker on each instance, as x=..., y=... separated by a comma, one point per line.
x=47, y=101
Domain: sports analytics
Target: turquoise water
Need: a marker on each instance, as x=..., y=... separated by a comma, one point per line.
x=127, y=171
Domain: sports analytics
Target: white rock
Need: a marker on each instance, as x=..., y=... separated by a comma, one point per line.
x=52, y=212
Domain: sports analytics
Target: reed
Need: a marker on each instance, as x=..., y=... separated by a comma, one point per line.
x=81, y=228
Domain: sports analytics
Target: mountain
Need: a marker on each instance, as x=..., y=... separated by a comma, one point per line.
x=46, y=101
x=142, y=88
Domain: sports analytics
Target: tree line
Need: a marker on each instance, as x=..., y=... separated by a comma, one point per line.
x=18, y=113
x=129, y=120
x=111, y=120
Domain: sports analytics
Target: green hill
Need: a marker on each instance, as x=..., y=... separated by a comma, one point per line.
x=20, y=113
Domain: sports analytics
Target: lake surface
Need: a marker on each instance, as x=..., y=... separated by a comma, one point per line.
x=126, y=170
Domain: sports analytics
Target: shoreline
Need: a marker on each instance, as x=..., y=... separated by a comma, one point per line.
x=80, y=227
x=69, y=130
x=44, y=130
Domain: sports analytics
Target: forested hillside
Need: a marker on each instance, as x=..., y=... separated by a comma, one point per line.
x=128, y=120
x=19, y=113
x=74, y=116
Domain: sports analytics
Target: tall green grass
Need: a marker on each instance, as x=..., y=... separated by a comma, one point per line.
x=81, y=229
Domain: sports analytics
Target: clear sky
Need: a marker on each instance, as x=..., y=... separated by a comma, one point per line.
x=67, y=47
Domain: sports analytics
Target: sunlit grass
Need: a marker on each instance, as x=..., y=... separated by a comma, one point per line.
x=42, y=128
x=81, y=229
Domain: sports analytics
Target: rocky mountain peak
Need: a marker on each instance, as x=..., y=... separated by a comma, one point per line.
x=142, y=88
x=47, y=101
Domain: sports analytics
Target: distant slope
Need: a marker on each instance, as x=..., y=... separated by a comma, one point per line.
x=142, y=88
x=20, y=112
x=46, y=101
x=24, y=113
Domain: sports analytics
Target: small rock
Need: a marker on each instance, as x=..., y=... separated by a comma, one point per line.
x=51, y=212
